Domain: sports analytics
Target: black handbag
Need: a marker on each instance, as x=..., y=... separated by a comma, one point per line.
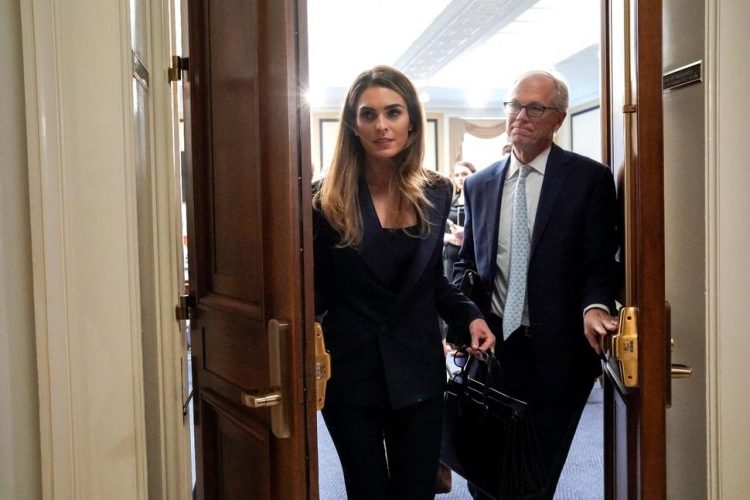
x=470, y=285
x=488, y=436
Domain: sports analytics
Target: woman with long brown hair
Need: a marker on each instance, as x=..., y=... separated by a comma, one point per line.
x=379, y=218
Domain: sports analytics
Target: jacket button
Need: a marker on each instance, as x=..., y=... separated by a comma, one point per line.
x=383, y=328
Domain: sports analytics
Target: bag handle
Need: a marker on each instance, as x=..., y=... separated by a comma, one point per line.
x=491, y=360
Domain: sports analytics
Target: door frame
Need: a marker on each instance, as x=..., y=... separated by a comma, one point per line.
x=176, y=466
x=87, y=312
x=727, y=108
x=84, y=249
x=644, y=268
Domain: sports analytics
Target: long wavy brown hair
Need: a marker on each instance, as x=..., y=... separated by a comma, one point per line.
x=338, y=193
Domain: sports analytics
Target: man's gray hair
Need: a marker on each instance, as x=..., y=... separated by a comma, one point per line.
x=562, y=94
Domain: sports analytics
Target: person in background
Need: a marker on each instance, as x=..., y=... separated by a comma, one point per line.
x=454, y=230
x=541, y=232
x=378, y=222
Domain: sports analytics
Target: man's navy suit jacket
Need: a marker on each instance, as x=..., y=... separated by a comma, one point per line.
x=385, y=346
x=572, y=257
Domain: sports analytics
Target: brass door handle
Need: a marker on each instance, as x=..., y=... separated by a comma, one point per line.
x=678, y=370
x=254, y=400
x=274, y=397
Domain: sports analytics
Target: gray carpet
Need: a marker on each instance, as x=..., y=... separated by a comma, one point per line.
x=582, y=478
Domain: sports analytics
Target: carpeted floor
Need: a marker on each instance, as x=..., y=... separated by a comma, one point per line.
x=582, y=478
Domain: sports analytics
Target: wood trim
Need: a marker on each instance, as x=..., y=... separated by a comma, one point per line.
x=606, y=143
x=290, y=127
x=650, y=286
x=306, y=238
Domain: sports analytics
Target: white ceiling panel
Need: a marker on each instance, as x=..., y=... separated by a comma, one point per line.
x=349, y=36
x=463, y=53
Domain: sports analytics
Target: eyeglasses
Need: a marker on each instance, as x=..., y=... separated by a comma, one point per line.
x=532, y=110
x=455, y=362
x=460, y=358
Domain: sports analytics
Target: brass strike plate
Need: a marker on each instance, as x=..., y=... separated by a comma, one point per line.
x=625, y=346
x=322, y=367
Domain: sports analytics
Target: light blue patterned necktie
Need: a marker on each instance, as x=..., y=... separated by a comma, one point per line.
x=519, y=258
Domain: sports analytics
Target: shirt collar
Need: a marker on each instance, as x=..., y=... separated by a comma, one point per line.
x=539, y=163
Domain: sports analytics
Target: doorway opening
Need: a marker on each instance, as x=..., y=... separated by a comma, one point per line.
x=463, y=56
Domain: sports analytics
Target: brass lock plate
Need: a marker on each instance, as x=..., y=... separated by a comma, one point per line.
x=625, y=346
x=322, y=367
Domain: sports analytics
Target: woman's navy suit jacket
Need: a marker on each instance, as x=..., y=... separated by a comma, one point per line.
x=385, y=346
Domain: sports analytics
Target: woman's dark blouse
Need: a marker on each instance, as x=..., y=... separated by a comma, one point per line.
x=379, y=305
x=402, y=244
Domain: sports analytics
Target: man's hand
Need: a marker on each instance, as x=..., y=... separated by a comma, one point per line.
x=597, y=323
x=482, y=338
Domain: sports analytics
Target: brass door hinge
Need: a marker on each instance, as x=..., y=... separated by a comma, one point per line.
x=179, y=64
x=182, y=309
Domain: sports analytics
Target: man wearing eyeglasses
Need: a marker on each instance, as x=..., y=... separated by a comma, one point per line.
x=541, y=232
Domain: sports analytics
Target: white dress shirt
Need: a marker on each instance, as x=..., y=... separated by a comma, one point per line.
x=533, y=188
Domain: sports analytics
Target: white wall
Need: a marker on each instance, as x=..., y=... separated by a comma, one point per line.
x=728, y=249
x=20, y=466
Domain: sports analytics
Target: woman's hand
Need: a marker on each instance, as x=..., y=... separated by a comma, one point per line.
x=456, y=236
x=482, y=338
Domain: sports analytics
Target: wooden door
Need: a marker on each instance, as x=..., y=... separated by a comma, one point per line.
x=635, y=391
x=249, y=231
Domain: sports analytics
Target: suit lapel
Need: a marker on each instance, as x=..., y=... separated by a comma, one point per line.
x=555, y=177
x=488, y=202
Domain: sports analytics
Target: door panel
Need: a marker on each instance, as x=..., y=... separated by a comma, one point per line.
x=249, y=236
x=239, y=446
x=635, y=416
